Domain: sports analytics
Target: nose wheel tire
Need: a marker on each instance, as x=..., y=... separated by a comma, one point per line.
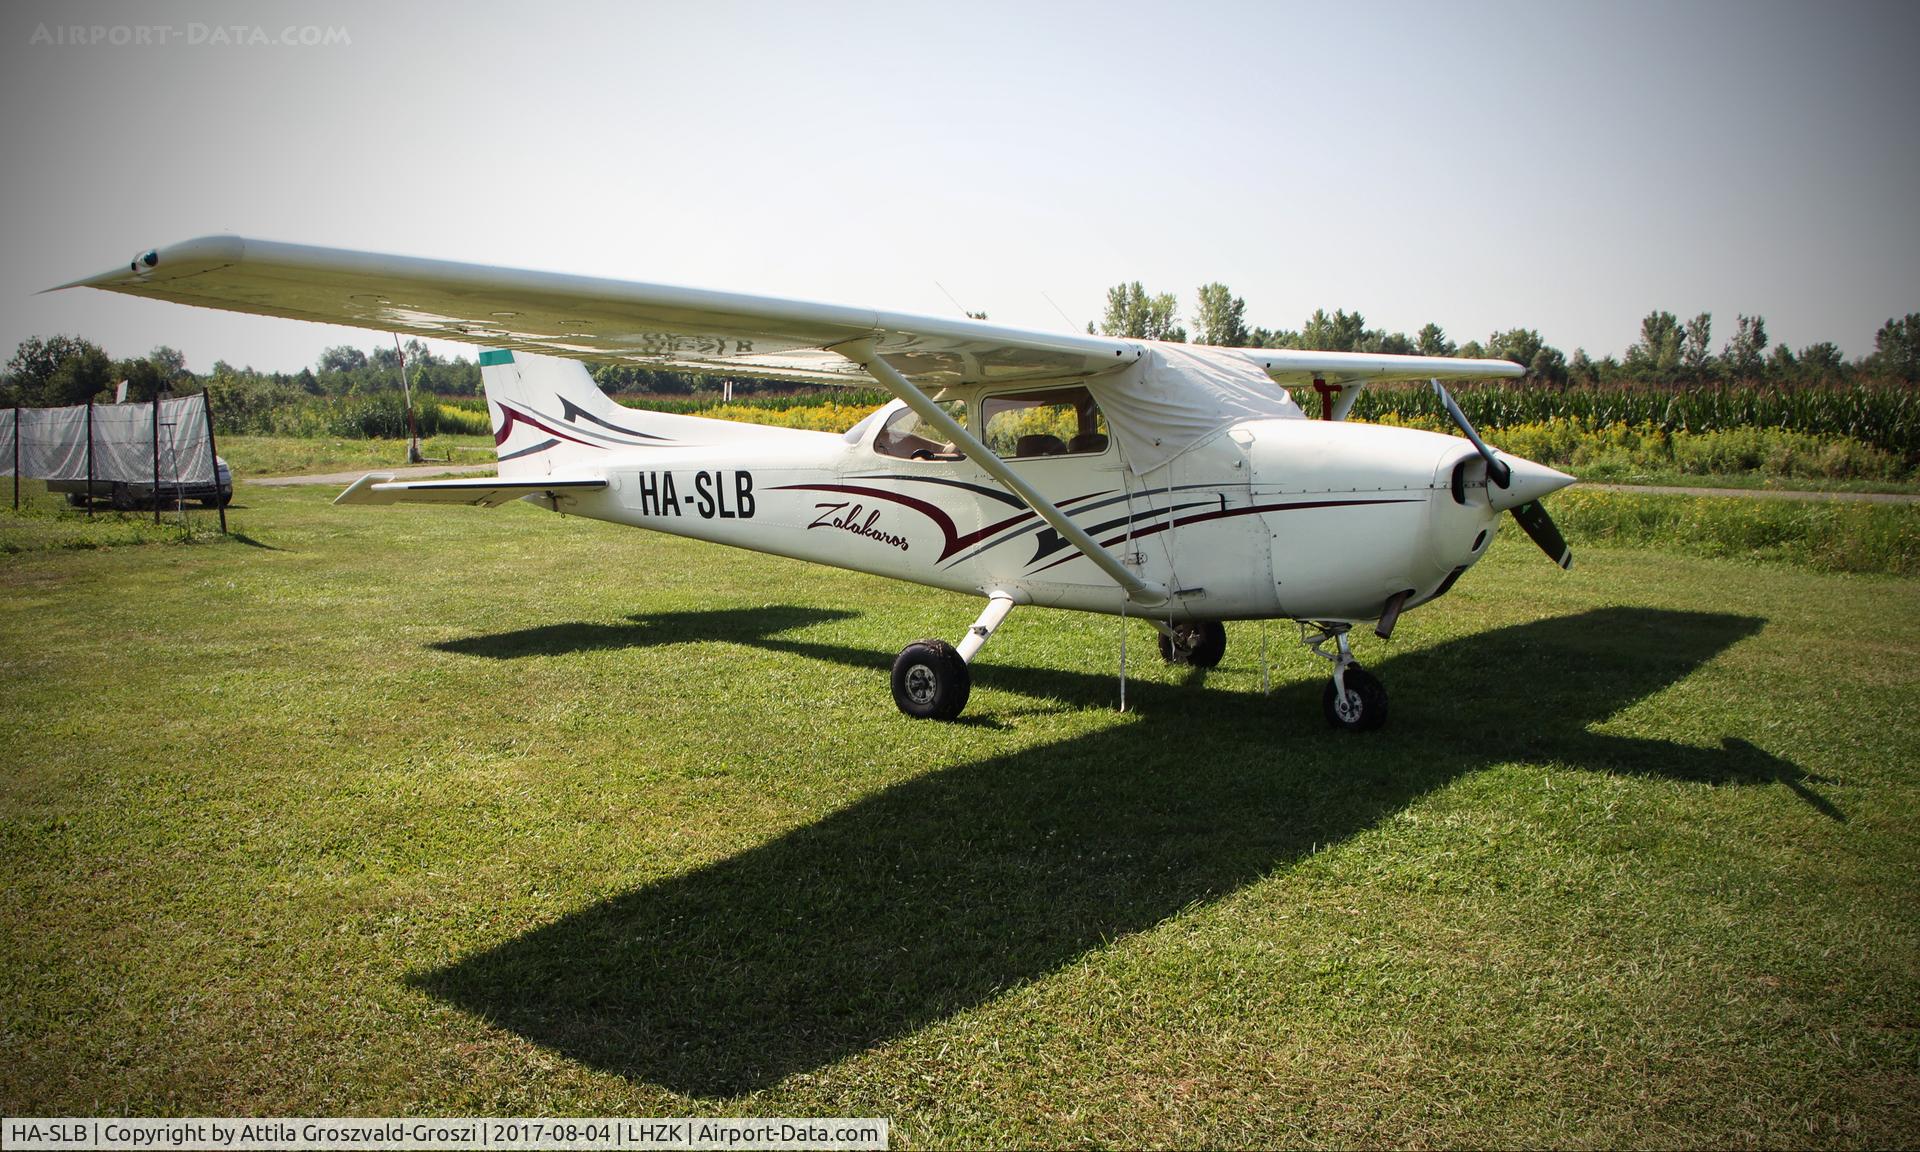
x=1362, y=708
x=931, y=681
x=1201, y=645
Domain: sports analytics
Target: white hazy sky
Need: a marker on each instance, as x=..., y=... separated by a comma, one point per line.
x=1553, y=165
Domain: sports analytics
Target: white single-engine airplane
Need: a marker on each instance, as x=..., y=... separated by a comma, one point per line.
x=1176, y=482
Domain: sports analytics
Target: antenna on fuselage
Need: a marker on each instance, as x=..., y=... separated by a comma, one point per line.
x=1057, y=308
x=956, y=302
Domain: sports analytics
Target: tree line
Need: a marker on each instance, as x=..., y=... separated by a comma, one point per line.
x=57, y=370
x=1669, y=352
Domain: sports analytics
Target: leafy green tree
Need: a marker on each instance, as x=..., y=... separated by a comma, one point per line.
x=1658, y=352
x=1896, y=348
x=1781, y=365
x=57, y=370
x=1744, y=353
x=342, y=358
x=1339, y=332
x=1273, y=338
x=1696, y=346
x=1548, y=366
x=1822, y=361
x=1433, y=341
x=1394, y=344
x=144, y=378
x=171, y=363
x=1220, y=318
x=1134, y=314
x=387, y=360
x=1519, y=345
x=1126, y=311
x=1471, y=350
x=1581, y=371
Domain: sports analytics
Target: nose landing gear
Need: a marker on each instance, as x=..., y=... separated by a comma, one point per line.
x=1354, y=698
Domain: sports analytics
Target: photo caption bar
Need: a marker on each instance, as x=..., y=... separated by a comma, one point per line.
x=403, y=1134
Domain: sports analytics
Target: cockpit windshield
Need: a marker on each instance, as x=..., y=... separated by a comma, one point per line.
x=907, y=437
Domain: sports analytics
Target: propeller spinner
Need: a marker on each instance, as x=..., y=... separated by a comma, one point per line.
x=1516, y=485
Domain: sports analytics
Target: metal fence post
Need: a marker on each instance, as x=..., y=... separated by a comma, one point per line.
x=89, y=456
x=156, y=458
x=219, y=497
x=16, y=457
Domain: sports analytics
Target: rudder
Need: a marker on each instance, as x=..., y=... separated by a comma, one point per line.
x=549, y=414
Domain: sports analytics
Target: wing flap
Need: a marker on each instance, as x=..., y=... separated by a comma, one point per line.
x=483, y=492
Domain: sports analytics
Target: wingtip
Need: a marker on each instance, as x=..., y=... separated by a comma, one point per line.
x=361, y=490
x=144, y=265
x=83, y=282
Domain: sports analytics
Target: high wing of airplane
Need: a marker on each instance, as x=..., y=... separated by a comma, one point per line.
x=1176, y=482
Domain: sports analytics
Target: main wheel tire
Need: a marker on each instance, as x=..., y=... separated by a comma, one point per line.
x=1365, y=706
x=931, y=681
x=1203, y=645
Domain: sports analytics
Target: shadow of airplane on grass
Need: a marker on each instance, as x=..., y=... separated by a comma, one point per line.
x=935, y=895
x=726, y=625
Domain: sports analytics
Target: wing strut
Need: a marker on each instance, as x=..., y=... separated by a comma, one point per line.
x=861, y=352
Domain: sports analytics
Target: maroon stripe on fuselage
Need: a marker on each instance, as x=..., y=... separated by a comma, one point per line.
x=953, y=541
x=515, y=416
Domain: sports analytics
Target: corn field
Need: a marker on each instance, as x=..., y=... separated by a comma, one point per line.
x=1884, y=416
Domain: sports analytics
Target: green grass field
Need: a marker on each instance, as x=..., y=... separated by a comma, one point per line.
x=446, y=811
x=252, y=456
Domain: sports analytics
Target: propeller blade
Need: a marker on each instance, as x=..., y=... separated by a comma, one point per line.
x=1497, y=470
x=1537, y=524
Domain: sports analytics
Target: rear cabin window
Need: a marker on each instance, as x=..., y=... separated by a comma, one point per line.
x=1046, y=422
x=908, y=437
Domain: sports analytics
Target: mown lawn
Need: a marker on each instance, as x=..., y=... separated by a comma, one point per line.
x=252, y=456
x=447, y=811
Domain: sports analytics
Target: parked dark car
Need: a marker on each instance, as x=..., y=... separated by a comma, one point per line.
x=125, y=496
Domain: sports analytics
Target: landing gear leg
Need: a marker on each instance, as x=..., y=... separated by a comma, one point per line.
x=1354, y=698
x=930, y=677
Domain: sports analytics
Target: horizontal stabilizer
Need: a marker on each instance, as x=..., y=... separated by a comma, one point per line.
x=482, y=491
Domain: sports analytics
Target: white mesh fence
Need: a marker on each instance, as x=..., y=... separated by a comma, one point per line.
x=126, y=445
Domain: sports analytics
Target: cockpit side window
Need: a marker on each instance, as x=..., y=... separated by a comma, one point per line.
x=1044, y=422
x=906, y=436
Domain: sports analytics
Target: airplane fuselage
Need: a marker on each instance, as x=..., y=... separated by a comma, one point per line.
x=1299, y=518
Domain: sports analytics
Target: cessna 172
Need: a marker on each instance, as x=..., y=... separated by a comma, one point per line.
x=1176, y=482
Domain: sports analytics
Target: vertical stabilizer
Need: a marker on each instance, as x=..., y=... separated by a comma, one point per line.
x=549, y=415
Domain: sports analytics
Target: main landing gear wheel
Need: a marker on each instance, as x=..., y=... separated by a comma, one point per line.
x=1200, y=645
x=1361, y=708
x=930, y=680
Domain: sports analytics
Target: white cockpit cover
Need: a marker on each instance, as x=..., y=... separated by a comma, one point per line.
x=1179, y=394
